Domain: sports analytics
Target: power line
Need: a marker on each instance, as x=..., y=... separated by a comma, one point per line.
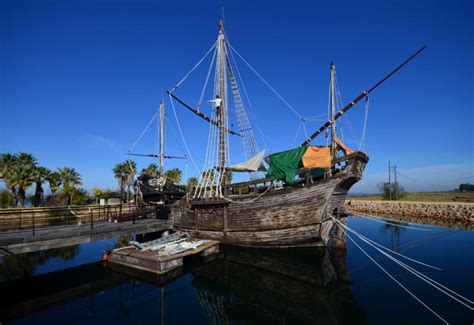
x=432, y=181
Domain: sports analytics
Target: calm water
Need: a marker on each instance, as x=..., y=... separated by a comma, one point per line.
x=247, y=286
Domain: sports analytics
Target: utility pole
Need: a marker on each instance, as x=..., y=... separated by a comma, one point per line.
x=396, y=184
x=389, y=182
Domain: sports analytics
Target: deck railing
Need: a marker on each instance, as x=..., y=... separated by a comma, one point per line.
x=33, y=219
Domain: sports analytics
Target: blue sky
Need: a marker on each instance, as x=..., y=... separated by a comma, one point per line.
x=80, y=80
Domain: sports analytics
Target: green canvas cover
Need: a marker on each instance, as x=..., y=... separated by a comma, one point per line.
x=285, y=164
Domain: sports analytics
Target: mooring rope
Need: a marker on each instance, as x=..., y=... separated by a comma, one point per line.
x=395, y=280
x=420, y=275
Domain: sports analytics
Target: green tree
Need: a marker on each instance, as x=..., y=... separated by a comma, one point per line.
x=7, y=162
x=7, y=200
x=192, y=182
x=54, y=180
x=132, y=166
x=173, y=176
x=393, y=191
x=80, y=196
x=40, y=175
x=21, y=177
x=121, y=172
x=70, y=178
x=152, y=170
x=98, y=193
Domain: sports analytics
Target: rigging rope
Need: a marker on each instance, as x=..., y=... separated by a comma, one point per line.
x=143, y=132
x=362, y=138
x=182, y=135
x=194, y=68
x=252, y=115
x=207, y=79
x=266, y=83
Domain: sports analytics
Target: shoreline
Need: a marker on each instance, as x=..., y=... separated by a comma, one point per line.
x=459, y=214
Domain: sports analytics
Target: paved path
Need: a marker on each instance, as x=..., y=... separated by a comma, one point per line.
x=14, y=242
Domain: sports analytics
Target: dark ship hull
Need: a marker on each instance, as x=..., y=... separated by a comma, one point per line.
x=296, y=216
x=153, y=194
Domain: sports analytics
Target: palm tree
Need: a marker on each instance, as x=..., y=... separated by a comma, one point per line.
x=132, y=167
x=97, y=192
x=152, y=170
x=7, y=161
x=21, y=177
x=70, y=178
x=54, y=180
x=192, y=182
x=26, y=159
x=40, y=175
x=121, y=173
x=173, y=176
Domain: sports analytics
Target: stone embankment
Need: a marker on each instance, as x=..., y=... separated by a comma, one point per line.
x=457, y=213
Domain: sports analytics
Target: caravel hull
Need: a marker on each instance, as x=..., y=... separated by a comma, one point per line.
x=292, y=217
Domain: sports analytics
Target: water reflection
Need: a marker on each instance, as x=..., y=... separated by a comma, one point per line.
x=276, y=287
x=240, y=285
x=394, y=228
x=24, y=265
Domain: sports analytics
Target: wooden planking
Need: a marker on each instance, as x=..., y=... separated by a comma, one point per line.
x=290, y=217
x=153, y=262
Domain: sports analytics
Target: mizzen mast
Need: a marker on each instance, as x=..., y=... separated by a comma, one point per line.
x=162, y=132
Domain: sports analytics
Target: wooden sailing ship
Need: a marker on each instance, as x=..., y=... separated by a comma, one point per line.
x=264, y=212
x=152, y=188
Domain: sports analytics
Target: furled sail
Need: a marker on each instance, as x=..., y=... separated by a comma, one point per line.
x=252, y=165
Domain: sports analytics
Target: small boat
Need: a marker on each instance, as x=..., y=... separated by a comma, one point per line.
x=290, y=206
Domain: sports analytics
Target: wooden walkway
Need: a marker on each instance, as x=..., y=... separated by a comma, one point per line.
x=23, y=241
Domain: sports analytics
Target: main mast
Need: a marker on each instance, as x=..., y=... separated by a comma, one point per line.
x=333, y=112
x=221, y=99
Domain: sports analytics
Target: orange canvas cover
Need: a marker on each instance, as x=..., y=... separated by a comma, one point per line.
x=317, y=157
x=343, y=147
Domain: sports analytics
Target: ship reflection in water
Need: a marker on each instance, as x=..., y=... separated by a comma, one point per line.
x=239, y=285
x=272, y=286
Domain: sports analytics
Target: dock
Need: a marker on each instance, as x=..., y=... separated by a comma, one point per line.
x=159, y=261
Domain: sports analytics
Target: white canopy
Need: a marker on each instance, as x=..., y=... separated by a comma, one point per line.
x=252, y=165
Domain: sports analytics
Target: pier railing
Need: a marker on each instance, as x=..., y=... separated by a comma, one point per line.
x=33, y=219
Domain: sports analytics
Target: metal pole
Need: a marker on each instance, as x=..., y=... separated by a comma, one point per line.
x=389, y=182
x=396, y=184
x=92, y=218
x=33, y=216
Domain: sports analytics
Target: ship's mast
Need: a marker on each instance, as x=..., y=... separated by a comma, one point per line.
x=162, y=134
x=333, y=112
x=220, y=102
